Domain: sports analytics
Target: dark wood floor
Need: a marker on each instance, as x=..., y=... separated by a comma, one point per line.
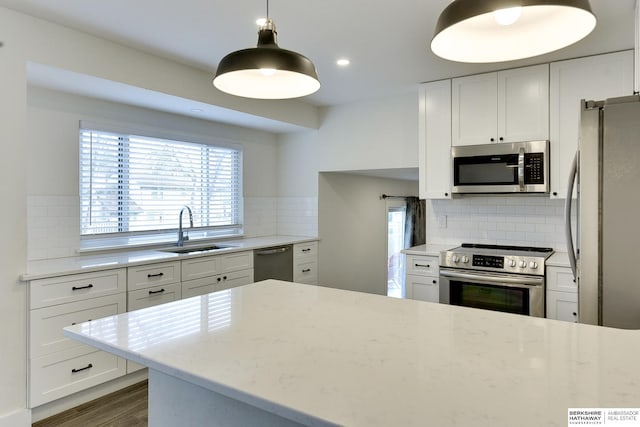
x=124, y=408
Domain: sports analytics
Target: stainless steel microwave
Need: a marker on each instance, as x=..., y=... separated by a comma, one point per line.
x=518, y=167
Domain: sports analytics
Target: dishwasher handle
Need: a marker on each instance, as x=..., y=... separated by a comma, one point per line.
x=272, y=251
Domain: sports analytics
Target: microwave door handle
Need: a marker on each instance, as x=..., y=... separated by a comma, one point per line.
x=521, y=168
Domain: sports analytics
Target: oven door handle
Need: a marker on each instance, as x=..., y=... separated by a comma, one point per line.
x=493, y=279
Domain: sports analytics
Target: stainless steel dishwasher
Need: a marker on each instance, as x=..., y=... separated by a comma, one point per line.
x=273, y=263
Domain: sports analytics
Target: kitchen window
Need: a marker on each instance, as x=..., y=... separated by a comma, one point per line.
x=138, y=184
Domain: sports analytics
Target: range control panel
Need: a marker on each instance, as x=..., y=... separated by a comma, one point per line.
x=532, y=265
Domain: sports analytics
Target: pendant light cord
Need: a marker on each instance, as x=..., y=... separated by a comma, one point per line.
x=267, y=9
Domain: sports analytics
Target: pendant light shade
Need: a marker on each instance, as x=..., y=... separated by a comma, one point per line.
x=505, y=30
x=266, y=71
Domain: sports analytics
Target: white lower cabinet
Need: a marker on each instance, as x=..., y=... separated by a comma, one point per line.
x=59, y=366
x=59, y=374
x=562, y=294
x=422, y=280
x=305, y=263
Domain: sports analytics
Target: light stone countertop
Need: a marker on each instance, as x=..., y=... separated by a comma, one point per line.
x=428, y=249
x=96, y=262
x=311, y=353
x=558, y=259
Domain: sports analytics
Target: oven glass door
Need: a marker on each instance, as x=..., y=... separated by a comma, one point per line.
x=489, y=297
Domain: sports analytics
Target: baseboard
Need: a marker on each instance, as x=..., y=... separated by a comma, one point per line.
x=19, y=418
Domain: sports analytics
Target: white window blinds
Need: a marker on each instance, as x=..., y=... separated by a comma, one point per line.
x=131, y=183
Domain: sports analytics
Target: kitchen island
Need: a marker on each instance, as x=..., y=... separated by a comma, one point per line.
x=279, y=353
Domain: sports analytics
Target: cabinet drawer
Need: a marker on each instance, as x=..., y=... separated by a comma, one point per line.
x=145, y=276
x=149, y=297
x=303, y=250
x=561, y=279
x=76, y=287
x=46, y=323
x=57, y=375
x=210, y=284
x=237, y=261
x=422, y=288
x=306, y=272
x=196, y=268
x=423, y=265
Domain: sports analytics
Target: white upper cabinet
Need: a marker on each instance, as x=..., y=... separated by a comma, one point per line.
x=507, y=106
x=474, y=102
x=523, y=104
x=435, y=140
x=591, y=78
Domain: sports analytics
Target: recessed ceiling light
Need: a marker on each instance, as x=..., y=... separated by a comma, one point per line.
x=343, y=62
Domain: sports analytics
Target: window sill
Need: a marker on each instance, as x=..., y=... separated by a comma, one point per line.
x=152, y=241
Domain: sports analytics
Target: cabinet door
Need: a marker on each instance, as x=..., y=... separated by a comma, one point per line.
x=562, y=306
x=592, y=78
x=523, y=104
x=423, y=288
x=474, y=113
x=435, y=140
x=235, y=279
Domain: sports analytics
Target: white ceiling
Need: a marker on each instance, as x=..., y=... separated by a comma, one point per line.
x=386, y=42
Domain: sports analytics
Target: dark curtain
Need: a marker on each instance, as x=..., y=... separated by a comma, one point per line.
x=415, y=223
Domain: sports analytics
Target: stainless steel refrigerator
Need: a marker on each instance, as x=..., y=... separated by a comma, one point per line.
x=606, y=261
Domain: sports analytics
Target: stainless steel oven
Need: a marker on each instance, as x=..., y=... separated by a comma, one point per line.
x=501, y=278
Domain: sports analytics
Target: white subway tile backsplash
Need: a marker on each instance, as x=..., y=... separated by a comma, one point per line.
x=508, y=220
x=260, y=216
x=298, y=216
x=53, y=226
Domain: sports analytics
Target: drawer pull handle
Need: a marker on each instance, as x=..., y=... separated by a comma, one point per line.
x=306, y=250
x=149, y=276
x=74, y=323
x=156, y=292
x=422, y=265
x=77, y=288
x=306, y=270
x=75, y=371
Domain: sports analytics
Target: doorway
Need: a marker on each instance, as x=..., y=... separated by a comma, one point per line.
x=396, y=216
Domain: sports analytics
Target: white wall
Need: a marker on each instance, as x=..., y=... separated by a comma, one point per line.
x=380, y=134
x=52, y=166
x=352, y=226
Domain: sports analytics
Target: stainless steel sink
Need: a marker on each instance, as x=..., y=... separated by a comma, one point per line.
x=195, y=249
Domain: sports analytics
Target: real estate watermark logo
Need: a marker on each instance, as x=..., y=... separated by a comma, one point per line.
x=610, y=417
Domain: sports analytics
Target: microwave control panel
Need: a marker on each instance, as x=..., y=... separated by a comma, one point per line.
x=534, y=168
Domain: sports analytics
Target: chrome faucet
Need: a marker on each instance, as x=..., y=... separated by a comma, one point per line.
x=181, y=236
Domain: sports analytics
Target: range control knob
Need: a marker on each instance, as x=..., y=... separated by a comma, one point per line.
x=523, y=264
x=455, y=259
x=512, y=263
x=465, y=259
x=533, y=265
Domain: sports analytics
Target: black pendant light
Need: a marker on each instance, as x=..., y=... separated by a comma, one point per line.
x=506, y=30
x=266, y=71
